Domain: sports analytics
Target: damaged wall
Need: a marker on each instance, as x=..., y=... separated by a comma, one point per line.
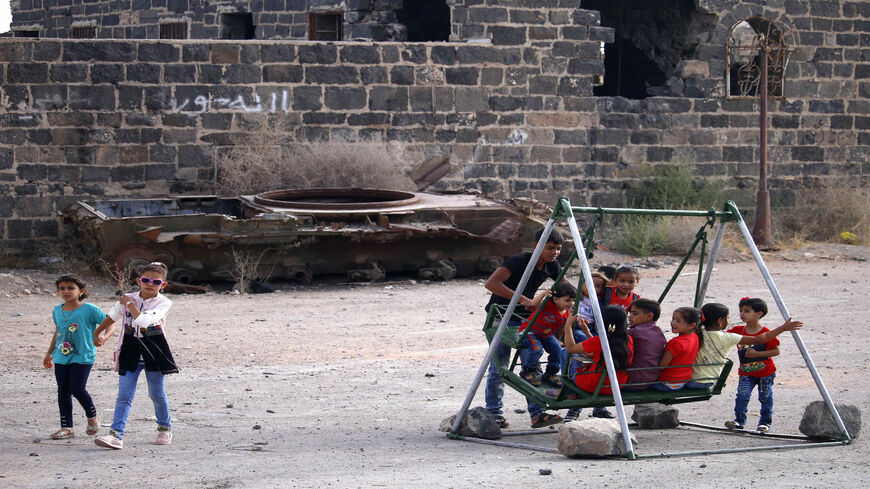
x=92, y=119
x=203, y=19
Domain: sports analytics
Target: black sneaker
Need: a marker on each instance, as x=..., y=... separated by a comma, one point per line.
x=532, y=376
x=552, y=379
x=572, y=415
x=602, y=413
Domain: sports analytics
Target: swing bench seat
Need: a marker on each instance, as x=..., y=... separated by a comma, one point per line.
x=582, y=399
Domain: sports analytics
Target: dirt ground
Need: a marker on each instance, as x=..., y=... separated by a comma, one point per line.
x=337, y=385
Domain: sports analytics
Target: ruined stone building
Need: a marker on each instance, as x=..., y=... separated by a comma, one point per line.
x=537, y=98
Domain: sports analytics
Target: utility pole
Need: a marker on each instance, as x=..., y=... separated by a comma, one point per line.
x=761, y=231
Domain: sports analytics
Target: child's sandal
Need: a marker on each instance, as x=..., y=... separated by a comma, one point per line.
x=63, y=434
x=93, y=429
x=546, y=419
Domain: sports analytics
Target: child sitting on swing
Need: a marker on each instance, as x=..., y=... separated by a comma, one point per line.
x=621, y=350
x=680, y=352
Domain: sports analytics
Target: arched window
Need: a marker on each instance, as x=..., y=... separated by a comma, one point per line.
x=748, y=40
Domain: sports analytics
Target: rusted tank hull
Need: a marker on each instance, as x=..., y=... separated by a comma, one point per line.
x=363, y=234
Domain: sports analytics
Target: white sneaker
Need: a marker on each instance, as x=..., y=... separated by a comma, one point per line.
x=163, y=438
x=763, y=428
x=110, y=441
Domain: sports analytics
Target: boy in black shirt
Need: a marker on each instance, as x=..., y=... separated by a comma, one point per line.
x=502, y=283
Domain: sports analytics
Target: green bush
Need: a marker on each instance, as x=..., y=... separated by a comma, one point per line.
x=665, y=187
x=675, y=187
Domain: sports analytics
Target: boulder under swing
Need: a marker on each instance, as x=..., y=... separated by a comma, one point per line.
x=497, y=331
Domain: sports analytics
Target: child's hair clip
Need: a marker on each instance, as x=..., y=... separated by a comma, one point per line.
x=611, y=327
x=157, y=264
x=743, y=298
x=703, y=319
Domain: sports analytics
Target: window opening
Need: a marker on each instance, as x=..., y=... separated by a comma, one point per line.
x=426, y=20
x=237, y=26
x=84, y=32
x=651, y=38
x=173, y=30
x=325, y=26
x=748, y=41
x=26, y=33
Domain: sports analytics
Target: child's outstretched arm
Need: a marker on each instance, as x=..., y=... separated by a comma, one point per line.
x=495, y=284
x=572, y=346
x=46, y=360
x=790, y=325
x=752, y=353
x=104, y=331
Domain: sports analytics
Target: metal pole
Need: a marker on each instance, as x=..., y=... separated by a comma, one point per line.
x=602, y=334
x=761, y=232
x=496, y=340
x=505, y=444
x=794, y=446
x=714, y=253
x=796, y=335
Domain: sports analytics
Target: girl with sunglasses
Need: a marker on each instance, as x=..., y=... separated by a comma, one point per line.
x=141, y=346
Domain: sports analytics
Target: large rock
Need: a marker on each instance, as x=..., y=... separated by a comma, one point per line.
x=819, y=423
x=478, y=422
x=656, y=416
x=592, y=437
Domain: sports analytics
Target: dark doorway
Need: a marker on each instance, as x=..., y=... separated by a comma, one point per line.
x=237, y=26
x=426, y=20
x=651, y=39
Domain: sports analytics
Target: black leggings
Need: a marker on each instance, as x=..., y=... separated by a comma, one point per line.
x=71, y=381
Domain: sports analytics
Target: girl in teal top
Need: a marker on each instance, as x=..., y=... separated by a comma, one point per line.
x=72, y=353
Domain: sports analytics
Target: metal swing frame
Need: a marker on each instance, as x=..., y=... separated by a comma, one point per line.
x=730, y=213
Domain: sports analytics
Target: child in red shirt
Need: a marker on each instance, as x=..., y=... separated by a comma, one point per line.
x=544, y=335
x=621, y=350
x=756, y=366
x=681, y=351
x=621, y=293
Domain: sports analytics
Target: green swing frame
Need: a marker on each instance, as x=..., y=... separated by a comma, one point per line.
x=570, y=395
x=573, y=397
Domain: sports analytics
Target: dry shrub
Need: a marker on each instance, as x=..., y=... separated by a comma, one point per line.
x=650, y=235
x=263, y=167
x=824, y=212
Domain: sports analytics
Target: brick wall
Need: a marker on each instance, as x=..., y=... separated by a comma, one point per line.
x=91, y=119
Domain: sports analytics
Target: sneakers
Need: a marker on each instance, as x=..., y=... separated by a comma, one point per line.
x=572, y=415
x=164, y=436
x=532, y=376
x=552, y=379
x=499, y=419
x=110, y=441
x=733, y=425
x=763, y=428
x=602, y=413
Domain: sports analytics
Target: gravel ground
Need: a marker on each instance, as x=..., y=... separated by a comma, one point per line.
x=337, y=385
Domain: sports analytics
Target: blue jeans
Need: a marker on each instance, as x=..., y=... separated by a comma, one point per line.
x=494, y=385
x=71, y=381
x=126, y=391
x=765, y=395
x=573, y=366
x=534, y=347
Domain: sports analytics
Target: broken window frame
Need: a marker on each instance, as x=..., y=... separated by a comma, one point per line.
x=83, y=32
x=226, y=27
x=174, y=30
x=315, y=31
x=742, y=58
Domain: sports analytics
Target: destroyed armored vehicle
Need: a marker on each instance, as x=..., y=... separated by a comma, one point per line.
x=363, y=234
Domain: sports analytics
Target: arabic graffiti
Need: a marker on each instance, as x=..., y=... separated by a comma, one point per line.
x=276, y=102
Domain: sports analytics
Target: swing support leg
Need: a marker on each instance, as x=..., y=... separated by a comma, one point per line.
x=602, y=332
x=502, y=325
x=796, y=335
x=714, y=254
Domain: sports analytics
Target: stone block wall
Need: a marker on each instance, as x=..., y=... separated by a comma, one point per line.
x=141, y=19
x=94, y=119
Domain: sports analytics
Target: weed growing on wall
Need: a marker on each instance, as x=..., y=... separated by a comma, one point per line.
x=674, y=186
x=824, y=213
x=258, y=168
